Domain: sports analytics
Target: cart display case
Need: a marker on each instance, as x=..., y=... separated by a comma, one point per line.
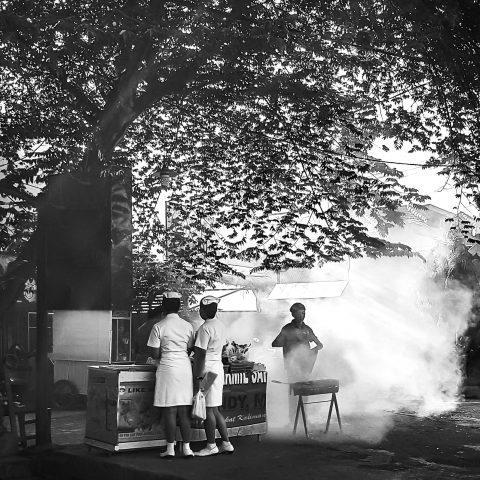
x=121, y=415
x=120, y=411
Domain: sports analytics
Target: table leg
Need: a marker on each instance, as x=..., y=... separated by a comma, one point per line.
x=330, y=413
x=337, y=411
x=304, y=416
x=296, y=416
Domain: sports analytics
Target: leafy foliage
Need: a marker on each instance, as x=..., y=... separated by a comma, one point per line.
x=427, y=80
x=265, y=109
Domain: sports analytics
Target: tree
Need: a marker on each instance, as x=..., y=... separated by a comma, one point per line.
x=266, y=109
x=458, y=270
x=427, y=81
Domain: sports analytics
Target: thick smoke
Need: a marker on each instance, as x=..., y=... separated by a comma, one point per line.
x=389, y=339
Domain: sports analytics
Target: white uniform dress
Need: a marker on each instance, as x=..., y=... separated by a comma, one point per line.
x=211, y=338
x=174, y=379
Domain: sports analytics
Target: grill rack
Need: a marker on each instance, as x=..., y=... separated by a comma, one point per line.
x=316, y=387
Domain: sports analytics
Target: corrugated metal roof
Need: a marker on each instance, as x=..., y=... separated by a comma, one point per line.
x=325, y=289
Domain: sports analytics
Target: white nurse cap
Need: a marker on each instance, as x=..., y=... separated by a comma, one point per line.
x=209, y=299
x=171, y=295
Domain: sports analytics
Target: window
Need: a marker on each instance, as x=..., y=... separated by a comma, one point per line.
x=121, y=339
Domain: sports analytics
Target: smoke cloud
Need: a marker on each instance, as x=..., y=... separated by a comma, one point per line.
x=389, y=339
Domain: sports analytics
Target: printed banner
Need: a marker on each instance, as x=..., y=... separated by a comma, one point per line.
x=244, y=398
x=138, y=419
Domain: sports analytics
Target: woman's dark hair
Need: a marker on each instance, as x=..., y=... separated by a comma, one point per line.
x=155, y=312
x=209, y=310
x=170, y=305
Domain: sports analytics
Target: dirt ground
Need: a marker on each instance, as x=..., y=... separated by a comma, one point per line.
x=438, y=447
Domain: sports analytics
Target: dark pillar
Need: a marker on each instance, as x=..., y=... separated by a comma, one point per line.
x=88, y=235
x=84, y=260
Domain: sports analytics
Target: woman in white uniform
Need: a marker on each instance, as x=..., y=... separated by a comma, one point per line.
x=208, y=358
x=171, y=340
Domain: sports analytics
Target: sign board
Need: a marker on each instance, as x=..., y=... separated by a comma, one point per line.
x=137, y=418
x=244, y=398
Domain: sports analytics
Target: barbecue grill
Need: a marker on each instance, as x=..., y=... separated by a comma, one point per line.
x=315, y=387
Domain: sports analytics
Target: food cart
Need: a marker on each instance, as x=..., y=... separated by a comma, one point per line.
x=120, y=411
x=121, y=415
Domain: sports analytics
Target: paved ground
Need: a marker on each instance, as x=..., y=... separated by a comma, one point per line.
x=442, y=447
x=68, y=428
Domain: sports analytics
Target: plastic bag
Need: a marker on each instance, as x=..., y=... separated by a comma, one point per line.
x=199, y=410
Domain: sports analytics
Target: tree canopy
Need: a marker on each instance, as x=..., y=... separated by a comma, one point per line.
x=265, y=110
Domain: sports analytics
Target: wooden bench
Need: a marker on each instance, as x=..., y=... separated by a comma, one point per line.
x=20, y=389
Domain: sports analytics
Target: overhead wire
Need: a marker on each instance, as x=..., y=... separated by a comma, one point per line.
x=393, y=163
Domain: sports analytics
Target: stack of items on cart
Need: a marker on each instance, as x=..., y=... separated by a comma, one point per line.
x=234, y=358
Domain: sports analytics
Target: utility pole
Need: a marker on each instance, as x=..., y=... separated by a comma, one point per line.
x=42, y=423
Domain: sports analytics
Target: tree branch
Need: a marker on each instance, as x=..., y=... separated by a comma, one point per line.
x=175, y=83
x=7, y=189
x=119, y=110
x=58, y=73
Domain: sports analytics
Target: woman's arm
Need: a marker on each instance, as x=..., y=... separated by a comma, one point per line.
x=155, y=353
x=191, y=342
x=154, y=344
x=198, y=367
